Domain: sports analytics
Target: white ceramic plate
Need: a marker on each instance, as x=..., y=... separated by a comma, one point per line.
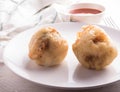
x=69, y=74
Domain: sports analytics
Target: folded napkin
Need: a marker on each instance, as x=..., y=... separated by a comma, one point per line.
x=48, y=15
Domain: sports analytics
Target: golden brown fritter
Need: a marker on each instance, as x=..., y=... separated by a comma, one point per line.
x=47, y=47
x=93, y=47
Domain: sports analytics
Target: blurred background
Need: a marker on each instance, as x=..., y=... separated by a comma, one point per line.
x=25, y=12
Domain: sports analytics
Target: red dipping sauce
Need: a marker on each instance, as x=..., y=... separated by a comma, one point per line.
x=85, y=11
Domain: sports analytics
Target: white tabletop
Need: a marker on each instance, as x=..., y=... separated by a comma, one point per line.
x=10, y=82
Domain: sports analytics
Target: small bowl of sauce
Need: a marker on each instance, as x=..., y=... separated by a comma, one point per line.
x=84, y=12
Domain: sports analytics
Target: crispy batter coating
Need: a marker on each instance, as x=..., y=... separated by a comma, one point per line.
x=93, y=47
x=47, y=47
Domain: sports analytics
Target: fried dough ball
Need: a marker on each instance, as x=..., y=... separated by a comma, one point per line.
x=93, y=47
x=47, y=47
